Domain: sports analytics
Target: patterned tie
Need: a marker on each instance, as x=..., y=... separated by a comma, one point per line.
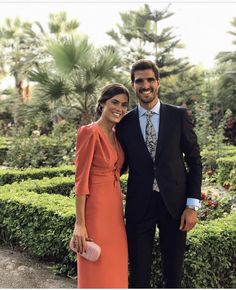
x=151, y=141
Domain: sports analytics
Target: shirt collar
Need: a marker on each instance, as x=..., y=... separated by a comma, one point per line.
x=155, y=109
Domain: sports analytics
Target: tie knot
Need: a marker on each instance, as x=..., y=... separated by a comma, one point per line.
x=149, y=114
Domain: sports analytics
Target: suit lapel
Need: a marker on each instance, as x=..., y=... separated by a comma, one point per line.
x=162, y=134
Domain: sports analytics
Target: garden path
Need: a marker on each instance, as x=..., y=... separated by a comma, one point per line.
x=19, y=270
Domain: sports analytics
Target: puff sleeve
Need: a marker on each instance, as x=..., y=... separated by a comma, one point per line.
x=85, y=147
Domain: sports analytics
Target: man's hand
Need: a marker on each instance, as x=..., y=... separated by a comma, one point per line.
x=188, y=220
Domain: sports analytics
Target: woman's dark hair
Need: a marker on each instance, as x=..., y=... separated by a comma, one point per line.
x=109, y=92
x=142, y=65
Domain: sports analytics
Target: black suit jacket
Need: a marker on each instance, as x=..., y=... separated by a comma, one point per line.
x=177, y=165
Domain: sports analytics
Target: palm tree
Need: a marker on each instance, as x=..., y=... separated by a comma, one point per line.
x=24, y=46
x=140, y=36
x=70, y=82
x=59, y=24
x=14, y=45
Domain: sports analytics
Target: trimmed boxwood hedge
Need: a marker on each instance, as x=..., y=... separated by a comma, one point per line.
x=209, y=157
x=225, y=166
x=8, y=176
x=5, y=143
x=43, y=224
x=56, y=185
x=210, y=259
x=3, y=152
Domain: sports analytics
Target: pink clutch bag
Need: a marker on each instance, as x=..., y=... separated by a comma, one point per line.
x=92, y=253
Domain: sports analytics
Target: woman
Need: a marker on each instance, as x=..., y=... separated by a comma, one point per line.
x=99, y=210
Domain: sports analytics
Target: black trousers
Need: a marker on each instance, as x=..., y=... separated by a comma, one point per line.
x=140, y=243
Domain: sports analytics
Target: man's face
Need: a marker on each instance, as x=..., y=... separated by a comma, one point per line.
x=146, y=87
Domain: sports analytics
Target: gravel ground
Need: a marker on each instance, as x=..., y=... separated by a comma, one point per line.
x=19, y=270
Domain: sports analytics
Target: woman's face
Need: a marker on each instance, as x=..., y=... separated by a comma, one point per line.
x=115, y=108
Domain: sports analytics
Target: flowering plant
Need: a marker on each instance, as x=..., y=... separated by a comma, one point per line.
x=214, y=204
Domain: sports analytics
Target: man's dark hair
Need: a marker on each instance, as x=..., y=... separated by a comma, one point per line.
x=142, y=65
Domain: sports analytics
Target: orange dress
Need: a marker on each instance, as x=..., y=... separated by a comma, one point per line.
x=97, y=175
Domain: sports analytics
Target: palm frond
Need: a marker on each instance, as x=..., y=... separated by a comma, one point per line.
x=70, y=53
x=51, y=87
x=106, y=60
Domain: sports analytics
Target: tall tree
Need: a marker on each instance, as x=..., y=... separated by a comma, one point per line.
x=15, y=44
x=185, y=88
x=140, y=36
x=226, y=87
x=59, y=24
x=24, y=46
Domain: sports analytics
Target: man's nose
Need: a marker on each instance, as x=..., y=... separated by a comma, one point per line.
x=145, y=83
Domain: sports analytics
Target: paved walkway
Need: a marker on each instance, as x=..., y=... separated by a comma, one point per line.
x=18, y=270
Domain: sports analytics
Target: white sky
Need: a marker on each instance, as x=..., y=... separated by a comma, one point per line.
x=201, y=26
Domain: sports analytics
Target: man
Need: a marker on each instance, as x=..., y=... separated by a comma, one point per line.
x=157, y=140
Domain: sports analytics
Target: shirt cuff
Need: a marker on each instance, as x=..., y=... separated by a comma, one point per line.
x=193, y=201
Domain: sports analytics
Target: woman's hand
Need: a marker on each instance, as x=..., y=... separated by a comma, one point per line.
x=78, y=240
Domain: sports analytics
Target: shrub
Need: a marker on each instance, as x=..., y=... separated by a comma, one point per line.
x=123, y=183
x=8, y=176
x=210, y=258
x=5, y=141
x=209, y=157
x=210, y=261
x=43, y=224
x=215, y=204
x=63, y=185
x=232, y=178
x=39, y=224
x=4, y=145
x=225, y=166
x=39, y=151
x=210, y=127
x=3, y=152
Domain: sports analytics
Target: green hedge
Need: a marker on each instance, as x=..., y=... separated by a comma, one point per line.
x=40, y=151
x=43, y=224
x=39, y=224
x=3, y=152
x=6, y=141
x=209, y=157
x=210, y=261
x=225, y=166
x=8, y=176
x=232, y=178
x=56, y=185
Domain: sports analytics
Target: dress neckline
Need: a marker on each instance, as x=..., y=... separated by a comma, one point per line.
x=114, y=148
